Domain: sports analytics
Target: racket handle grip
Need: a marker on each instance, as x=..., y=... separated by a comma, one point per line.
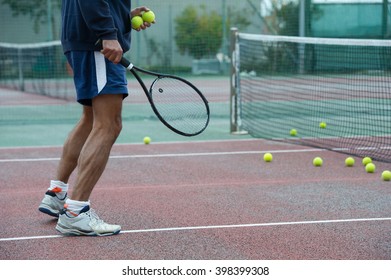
x=124, y=62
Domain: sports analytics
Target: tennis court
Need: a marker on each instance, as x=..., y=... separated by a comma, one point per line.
x=201, y=198
x=205, y=200
x=208, y=197
x=298, y=79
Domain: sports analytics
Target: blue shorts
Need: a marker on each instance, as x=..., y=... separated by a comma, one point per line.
x=94, y=75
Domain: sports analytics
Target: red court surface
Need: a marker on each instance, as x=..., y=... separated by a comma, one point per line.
x=205, y=200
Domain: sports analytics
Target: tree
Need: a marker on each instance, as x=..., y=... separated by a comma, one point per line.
x=199, y=32
x=38, y=11
x=284, y=16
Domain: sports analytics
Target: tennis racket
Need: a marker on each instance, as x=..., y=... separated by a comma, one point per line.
x=177, y=103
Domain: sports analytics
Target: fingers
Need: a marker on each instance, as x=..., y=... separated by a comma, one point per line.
x=112, y=50
x=138, y=11
x=144, y=26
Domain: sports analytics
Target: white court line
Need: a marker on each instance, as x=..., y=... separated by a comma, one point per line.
x=155, y=230
x=173, y=155
x=138, y=143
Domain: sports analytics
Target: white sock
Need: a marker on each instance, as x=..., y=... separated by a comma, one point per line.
x=75, y=206
x=60, y=188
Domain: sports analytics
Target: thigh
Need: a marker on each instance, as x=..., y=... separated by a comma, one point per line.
x=107, y=109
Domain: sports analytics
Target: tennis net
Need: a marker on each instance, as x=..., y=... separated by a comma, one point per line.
x=281, y=83
x=38, y=68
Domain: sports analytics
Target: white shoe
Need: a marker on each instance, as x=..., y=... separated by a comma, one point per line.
x=51, y=204
x=86, y=222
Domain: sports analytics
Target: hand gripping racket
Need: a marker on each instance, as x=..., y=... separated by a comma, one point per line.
x=177, y=103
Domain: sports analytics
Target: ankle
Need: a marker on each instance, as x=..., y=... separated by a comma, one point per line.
x=74, y=207
x=59, y=188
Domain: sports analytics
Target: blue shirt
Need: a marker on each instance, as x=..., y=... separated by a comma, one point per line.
x=86, y=21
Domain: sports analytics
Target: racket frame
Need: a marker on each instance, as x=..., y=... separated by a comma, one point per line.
x=133, y=69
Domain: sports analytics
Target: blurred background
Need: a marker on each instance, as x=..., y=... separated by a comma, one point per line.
x=190, y=38
x=189, y=35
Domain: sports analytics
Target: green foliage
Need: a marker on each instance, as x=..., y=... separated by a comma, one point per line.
x=37, y=9
x=199, y=32
x=240, y=19
x=284, y=16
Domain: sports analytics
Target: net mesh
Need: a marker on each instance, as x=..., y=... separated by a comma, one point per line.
x=39, y=68
x=334, y=92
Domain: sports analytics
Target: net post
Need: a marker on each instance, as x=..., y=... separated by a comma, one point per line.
x=235, y=121
x=302, y=22
x=20, y=70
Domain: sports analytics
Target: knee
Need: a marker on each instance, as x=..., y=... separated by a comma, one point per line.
x=109, y=128
x=86, y=123
x=86, y=120
x=117, y=126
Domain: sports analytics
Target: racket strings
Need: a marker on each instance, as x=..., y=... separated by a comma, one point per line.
x=180, y=105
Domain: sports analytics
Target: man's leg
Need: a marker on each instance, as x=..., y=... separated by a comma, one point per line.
x=54, y=199
x=78, y=218
x=95, y=153
x=74, y=144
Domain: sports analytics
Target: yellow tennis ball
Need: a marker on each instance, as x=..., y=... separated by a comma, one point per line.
x=293, y=132
x=268, y=157
x=149, y=16
x=349, y=161
x=386, y=175
x=370, y=167
x=147, y=140
x=366, y=160
x=136, y=21
x=322, y=125
x=317, y=161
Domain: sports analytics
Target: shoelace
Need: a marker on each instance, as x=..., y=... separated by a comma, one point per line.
x=94, y=217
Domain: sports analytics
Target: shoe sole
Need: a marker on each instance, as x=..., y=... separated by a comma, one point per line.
x=75, y=232
x=48, y=212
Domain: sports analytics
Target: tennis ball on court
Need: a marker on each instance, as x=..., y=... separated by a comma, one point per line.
x=148, y=16
x=137, y=21
x=370, y=167
x=293, y=132
x=322, y=125
x=386, y=175
x=317, y=161
x=147, y=140
x=349, y=161
x=268, y=157
x=366, y=160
